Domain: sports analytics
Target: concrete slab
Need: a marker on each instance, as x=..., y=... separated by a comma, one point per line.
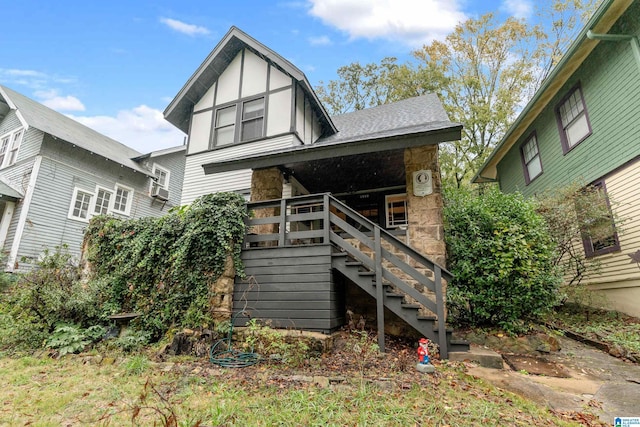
x=484, y=357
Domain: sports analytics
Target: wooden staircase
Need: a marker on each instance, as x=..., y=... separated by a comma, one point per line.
x=398, y=277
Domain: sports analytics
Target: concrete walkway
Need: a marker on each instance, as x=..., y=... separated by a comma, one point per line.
x=599, y=383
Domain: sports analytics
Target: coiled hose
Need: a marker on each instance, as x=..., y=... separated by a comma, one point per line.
x=223, y=354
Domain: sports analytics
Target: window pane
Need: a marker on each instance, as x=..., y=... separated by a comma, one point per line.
x=102, y=202
x=252, y=129
x=81, y=205
x=534, y=167
x=396, y=210
x=253, y=109
x=122, y=197
x=225, y=135
x=577, y=130
x=226, y=116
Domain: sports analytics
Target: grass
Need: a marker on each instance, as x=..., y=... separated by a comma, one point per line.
x=69, y=391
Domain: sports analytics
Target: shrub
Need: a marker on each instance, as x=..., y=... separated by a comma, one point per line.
x=501, y=257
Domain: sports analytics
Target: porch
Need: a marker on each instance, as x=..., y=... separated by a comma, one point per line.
x=301, y=253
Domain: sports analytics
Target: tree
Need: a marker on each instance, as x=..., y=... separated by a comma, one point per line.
x=488, y=69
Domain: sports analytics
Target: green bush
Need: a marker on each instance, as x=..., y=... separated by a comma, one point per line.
x=501, y=257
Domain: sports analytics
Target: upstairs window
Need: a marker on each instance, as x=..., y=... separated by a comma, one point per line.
x=9, y=145
x=80, y=204
x=162, y=179
x=225, y=128
x=252, y=119
x=530, y=154
x=396, y=210
x=573, y=120
x=599, y=234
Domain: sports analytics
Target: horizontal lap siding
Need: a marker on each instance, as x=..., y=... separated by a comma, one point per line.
x=290, y=288
x=197, y=184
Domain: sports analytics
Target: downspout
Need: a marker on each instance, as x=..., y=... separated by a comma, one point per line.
x=635, y=45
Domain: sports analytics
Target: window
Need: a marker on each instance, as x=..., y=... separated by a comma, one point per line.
x=599, y=234
x=80, y=204
x=9, y=145
x=573, y=120
x=103, y=201
x=225, y=128
x=396, y=210
x=162, y=179
x=252, y=119
x=531, y=158
x=123, y=199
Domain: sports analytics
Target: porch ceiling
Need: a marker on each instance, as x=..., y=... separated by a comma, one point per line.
x=346, y=174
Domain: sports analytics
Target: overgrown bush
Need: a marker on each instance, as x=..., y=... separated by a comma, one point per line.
x=501, y=257
x=163, y=268
x=269, y=342
x=48, y=296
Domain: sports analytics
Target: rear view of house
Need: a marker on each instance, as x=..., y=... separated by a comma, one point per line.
x=55, y=174
x=582, y=126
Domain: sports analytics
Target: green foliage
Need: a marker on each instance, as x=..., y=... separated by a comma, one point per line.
x=501, y=257
x=269, y=342
x=73, y=339
x=45, y=297
x=164, y=267
x=132, y=340
x=136, y=365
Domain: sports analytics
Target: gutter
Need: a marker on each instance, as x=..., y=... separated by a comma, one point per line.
x=635, y=45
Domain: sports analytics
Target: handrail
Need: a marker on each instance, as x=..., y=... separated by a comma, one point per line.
x=323, y=219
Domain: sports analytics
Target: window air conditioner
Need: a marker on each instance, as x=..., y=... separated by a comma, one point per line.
x=160, y=193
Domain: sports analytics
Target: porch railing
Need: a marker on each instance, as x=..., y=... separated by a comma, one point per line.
x=322, y=219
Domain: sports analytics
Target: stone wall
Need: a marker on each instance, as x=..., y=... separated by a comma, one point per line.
x=266, y=184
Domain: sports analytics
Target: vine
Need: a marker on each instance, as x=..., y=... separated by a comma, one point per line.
x=164, y=268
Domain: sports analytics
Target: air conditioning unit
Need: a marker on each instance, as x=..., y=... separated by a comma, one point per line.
x=160, y=193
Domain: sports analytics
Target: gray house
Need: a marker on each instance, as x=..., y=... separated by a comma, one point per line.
x=346, y=210
x=55, y=174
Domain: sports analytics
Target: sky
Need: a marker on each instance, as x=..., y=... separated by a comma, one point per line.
x=116, y=65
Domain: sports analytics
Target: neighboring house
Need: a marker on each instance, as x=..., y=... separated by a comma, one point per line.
x=55, y=174
x=255, y=126
x=582, y=126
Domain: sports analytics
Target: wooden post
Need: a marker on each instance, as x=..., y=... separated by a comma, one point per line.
x=379, y=287
x=283, y=223
x=442, y=328
x=327, y=219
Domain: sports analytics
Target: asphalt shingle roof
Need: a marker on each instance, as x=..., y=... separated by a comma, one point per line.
x=67, y=129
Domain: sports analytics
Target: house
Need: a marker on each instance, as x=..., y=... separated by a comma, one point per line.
x=339, y=203
x=55, y=174
x=582, y=126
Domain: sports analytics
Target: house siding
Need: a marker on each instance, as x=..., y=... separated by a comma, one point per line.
x=197, y=184
x=175, y=163
x=10, y=122
x=48, y=225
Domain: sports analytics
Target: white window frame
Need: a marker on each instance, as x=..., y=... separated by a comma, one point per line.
x=9, y=151
x=95, y=200
x=129, y=203
x=74, y=199
x=390, y=222
x=154, y=182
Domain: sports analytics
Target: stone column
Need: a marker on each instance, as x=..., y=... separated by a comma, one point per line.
x=426, y=229
x=266, y=184
x=221, y=296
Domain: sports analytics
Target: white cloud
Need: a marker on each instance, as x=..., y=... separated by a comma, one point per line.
x=53, y=100
x=319, y=41
x=183, y=27
x=142, y=128
x=521, y=9
x=413, y=22
x=32, y=79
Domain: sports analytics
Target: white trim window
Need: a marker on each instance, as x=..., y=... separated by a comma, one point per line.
x=162, y=179
x=123, y=200
x=9, y=145
x=225, y=127
x=103, y=201
x=395, y=206
x=80, y=203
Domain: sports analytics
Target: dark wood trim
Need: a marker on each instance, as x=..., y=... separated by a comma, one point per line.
x=527, y=177
x=563, y=135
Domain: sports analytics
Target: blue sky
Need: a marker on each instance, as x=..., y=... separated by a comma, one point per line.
x=115, y=65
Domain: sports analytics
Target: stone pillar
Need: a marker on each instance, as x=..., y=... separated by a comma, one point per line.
x=221, y=299
x=426, y=227
x=266, y=184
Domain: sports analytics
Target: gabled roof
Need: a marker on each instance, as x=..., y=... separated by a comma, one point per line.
x=62, y=127
x=376, y=129
x=601, y=22
x=179, y=110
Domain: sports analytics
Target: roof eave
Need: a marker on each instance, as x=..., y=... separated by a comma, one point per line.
x=577, y=52
x=324, y=151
